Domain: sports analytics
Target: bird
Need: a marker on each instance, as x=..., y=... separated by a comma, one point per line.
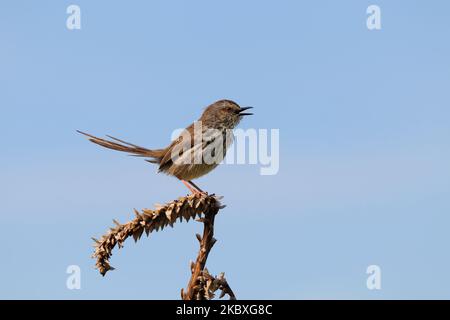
x=196, y=151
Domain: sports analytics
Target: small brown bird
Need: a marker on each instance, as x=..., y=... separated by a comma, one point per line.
x=198, y=149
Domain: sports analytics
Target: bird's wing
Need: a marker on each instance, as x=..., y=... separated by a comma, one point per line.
x=212, y=148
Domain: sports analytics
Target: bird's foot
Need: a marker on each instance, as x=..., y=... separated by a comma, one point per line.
x=199, y=193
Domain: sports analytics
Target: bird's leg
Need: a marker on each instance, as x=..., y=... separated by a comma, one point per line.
x=196, y=187
x=190, y=187
x=200, y=191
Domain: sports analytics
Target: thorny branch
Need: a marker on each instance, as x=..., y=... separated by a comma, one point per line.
x=202, y=285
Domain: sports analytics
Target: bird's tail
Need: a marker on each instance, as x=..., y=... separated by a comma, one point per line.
x=120, y=145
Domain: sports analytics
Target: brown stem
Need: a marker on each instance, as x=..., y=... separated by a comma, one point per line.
x=206, y=243
x=197, y=288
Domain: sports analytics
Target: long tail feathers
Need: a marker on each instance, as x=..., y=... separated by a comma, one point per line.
x=124, y=146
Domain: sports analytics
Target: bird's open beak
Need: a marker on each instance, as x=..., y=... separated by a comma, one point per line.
x=241, y=113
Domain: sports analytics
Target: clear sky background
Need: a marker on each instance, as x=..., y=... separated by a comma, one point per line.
x=364, y=157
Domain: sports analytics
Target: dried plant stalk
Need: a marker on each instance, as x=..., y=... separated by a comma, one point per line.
x=202, y=285
x=151, y=220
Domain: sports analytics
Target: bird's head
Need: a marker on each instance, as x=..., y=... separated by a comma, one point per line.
x=223, y=114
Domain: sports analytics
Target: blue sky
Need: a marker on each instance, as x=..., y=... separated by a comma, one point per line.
x=364, y=145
